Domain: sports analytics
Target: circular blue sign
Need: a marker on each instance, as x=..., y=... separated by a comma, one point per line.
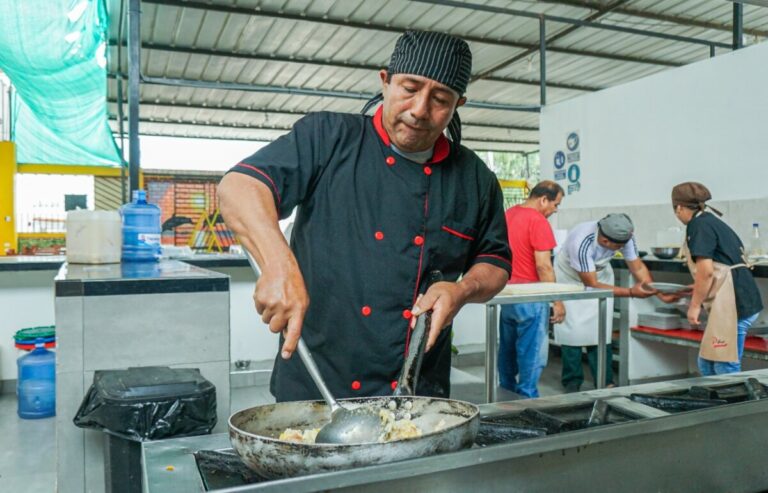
x=574, y=173
x=573, y=141
x=559, y=159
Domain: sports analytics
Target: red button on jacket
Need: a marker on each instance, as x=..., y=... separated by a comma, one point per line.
x=356, y=385
x=407, y=314
x=427, y=170
x=393, y=384
x=390, y=160
x=378, y=235
x=366, y=310
x=418, y=240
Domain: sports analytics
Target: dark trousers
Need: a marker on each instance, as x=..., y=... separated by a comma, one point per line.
x=573, y=376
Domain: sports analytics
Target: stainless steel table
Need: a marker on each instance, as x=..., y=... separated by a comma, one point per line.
x=492, y=329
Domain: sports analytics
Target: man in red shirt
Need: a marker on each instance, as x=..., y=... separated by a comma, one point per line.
x=523, y=345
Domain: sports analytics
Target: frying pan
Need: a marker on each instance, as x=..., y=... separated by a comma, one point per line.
x=446, y=425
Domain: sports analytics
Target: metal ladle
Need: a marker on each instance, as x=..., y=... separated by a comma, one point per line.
x=360, y=425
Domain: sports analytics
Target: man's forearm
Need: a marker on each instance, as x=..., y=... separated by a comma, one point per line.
x=482, y=282
x=249, y=211
x=546, y=273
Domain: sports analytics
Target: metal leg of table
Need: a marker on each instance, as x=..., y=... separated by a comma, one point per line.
x=491, y=351
x=602, y=354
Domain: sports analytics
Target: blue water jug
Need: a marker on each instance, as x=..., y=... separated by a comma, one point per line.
x=36, y=387
x=141, y=229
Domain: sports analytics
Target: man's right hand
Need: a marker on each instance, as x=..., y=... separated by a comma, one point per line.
x=281, y=299
x=558, y=312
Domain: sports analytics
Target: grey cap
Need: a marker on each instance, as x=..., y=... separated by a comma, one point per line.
x=617, y=227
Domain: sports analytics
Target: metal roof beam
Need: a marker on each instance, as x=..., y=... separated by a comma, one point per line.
x=297, y=91
x=378, y=27
x=328, y=63
x=575, y=22
x=169, y=104
x=547, y=42
x=672, y=19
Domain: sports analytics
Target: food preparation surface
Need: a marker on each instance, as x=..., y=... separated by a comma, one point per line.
x=631, y=436
x=754, y=347
x=165, y=276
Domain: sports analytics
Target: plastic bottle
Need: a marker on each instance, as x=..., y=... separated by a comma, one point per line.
x=36, y=387
x=141, y=230
x=755, y=245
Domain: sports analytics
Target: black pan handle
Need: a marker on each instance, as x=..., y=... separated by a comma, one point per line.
x=409, y=376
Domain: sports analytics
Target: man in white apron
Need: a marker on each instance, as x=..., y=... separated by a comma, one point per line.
x=723, y=284
x=585, y=259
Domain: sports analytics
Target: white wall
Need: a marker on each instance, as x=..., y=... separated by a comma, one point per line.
x=704, y=122
x=26, y=300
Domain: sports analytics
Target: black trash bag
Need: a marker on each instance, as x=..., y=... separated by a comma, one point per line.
x=149, y=403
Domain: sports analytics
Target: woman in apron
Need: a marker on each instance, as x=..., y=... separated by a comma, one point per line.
x=585, y=259
x=723, y=284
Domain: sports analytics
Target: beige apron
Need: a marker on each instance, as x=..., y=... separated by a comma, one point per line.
x=720, y=341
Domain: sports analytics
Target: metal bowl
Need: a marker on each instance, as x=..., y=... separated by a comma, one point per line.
x=665, y=253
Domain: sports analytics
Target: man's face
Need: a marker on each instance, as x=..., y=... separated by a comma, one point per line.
x=416, y=110
x=606, y=243
x=549, y=207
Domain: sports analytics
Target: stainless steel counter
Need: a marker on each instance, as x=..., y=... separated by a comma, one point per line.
x=492, y=329
x=715, y=449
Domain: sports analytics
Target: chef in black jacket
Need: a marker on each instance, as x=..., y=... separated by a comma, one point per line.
x=382, y=201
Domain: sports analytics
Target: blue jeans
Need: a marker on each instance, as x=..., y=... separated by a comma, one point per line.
x=523, y=346
x=707, y=367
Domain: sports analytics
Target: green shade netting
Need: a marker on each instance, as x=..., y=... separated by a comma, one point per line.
x=54, y=53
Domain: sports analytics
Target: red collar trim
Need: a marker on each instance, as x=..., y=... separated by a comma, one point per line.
x=442, y=146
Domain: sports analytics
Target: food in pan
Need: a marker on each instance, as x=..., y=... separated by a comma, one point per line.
x=392, y=429
x=397, y=429
x=299, y=436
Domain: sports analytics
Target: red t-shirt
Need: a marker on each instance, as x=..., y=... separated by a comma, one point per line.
x=529, y=232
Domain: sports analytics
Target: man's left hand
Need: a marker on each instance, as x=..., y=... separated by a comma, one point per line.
x=445, y=299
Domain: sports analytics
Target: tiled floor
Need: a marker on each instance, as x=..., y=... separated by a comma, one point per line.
x=27, y=447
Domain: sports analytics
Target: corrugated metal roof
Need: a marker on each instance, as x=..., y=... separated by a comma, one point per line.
x=338, y=45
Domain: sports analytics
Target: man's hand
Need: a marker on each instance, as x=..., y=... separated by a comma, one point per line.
x=694, y=311
x=669, y=297
x=637, y=291
x=445, y=299
x=281, y=299
x=558, y=312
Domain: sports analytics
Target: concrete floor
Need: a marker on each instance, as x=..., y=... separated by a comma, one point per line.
x=27, y=460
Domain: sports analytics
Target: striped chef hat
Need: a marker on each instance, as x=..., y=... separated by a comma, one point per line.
x=441, y=57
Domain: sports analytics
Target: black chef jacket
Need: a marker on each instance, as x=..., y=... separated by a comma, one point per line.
x=370, y=226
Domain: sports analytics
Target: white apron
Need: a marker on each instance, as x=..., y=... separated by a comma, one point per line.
x=581, y=317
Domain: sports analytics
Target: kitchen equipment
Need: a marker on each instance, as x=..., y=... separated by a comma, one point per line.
x=513, y=450
x=36, y=387
x=253, y=434
x=667, y=287
x=93, y=237
x=141, y=229
x=659, y=320
x=360, y=425
x=665, y=253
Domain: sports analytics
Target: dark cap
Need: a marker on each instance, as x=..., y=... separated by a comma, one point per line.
x=690, y=194
x=437, y=56
x=617, y=228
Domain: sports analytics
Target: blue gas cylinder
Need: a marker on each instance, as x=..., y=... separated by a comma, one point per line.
x=141, y=229
x=36, y=387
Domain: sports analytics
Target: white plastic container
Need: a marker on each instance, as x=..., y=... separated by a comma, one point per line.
x=94, y=237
